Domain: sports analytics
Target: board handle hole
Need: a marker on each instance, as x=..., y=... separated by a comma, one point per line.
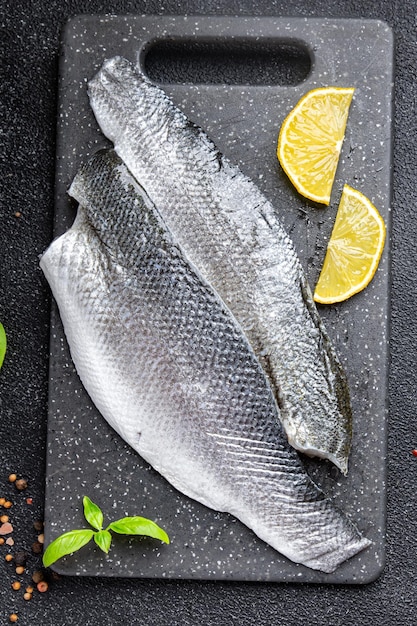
x=231, y=62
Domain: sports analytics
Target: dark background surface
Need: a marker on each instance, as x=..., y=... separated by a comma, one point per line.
x=30, y=50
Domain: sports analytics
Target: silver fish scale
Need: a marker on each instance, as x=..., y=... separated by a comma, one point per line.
x=230, y=232
x=169, y=368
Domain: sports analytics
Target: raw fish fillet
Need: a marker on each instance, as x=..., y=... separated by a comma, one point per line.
x=231, y=233
x=170, y=369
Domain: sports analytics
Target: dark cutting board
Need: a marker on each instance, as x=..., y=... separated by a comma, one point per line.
x=234, y=78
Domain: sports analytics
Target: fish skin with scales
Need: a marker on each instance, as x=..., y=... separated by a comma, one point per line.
x=170, y=369
x=231, y=232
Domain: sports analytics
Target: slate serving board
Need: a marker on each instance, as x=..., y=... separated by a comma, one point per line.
x=243, y=118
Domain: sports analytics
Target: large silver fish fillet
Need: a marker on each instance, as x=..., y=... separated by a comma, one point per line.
x=167, y=365
x=231, y=233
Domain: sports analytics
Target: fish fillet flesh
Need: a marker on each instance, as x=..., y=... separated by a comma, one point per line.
x=170, y=369
x=231, y=233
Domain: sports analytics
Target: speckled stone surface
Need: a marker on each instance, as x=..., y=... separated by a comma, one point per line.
x=84, y=455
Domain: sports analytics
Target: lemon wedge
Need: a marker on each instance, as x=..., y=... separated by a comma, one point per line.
x=311, y=138
x=354, y=249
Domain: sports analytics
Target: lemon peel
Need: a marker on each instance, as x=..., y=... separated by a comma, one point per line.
x=311, y=138
x=354, y=249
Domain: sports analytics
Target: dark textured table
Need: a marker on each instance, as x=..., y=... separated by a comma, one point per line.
x=30, y=46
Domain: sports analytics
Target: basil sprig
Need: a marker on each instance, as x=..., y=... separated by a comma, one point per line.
x=3, y=343
x=74, y=540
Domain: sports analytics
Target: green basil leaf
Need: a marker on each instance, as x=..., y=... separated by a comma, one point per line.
x=3, y=343
x=103, y=540
x=93, y=513
x=138, y=526
x=66, y=544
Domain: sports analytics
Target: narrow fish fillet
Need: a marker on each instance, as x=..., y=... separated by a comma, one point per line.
x=167, y=365
x=230, y=231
